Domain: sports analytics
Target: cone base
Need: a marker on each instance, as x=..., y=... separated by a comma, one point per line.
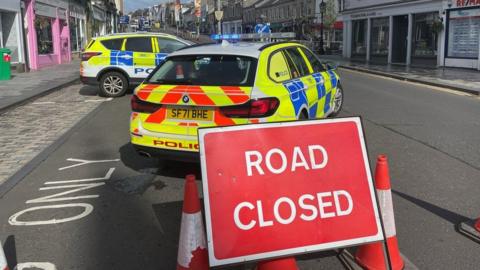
x=348, y=261
x=468, y=228
x=283, y=264
x=371, y=256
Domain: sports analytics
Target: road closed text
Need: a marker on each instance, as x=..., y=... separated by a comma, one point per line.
x=307, y=207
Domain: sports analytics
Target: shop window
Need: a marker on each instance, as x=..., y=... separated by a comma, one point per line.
x=359, y=41
x=379, y=36
x=43, y=27
x=73, y=34
x=463, y=33
x=424, y=37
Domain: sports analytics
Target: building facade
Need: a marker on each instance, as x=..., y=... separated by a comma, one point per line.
x=421, y=33
x=78, y=27
x=48, y=33
x=11, y=33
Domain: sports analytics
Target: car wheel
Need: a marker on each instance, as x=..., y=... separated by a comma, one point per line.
x=113, y=84
x=337, y=101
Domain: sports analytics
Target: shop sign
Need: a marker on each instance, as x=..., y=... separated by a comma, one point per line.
x=98, y=14
x=77, y=12
x=45, y=10
x=54, y=3
x=62, y=14
x=364, y=15
x=465, y=3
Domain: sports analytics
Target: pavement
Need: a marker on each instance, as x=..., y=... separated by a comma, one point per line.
x=76, y=214
x=27, y=85
x=465, y=80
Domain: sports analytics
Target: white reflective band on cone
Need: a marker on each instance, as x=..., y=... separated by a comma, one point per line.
x=386, y=207
x=3, y=260
x=192, y=236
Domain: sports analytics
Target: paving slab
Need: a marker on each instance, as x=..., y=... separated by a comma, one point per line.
x=25, y=86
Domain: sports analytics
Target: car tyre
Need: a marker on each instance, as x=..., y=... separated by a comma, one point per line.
x=337, y=101
x=113, y=84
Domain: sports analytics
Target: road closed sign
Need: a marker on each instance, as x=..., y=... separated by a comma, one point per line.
x=280, y=189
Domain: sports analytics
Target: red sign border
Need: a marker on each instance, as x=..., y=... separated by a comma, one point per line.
x=202, y=132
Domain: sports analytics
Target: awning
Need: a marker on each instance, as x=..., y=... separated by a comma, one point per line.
x=338, y=25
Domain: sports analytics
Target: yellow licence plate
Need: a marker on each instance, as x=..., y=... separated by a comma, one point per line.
x=185, y=113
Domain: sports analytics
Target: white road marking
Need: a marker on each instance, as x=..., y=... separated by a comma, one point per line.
x=36, y=265
x=13, y=220
x=44, y=102
x=82, y=162
x=98, y=100
x=77, y=188
x=106, y=177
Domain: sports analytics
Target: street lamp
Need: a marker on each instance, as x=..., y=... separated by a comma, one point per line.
x=323, y=7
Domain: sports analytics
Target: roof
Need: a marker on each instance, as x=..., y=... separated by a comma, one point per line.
x=139, y=33
x=250, y=49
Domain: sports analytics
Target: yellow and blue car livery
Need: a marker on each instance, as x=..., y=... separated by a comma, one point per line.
x=115, y=62
x=284, y=81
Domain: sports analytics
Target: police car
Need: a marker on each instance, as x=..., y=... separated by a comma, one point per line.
x=114, y=62
x=228, y=84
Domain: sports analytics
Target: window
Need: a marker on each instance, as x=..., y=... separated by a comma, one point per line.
x=359, y=42
x=379, y=36
x=73, y=34
x=169, y=45
x=424, y=38
x=139, y=44
x=314, y=62
x=212, y=70
x=43, y=27
x=113, y=44
x=278, y=67
x=298, y=62
x=463, y=33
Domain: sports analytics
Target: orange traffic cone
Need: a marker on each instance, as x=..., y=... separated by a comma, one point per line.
x=3, y=259
x=192, y=247
x=278, y=264
x=371, y=256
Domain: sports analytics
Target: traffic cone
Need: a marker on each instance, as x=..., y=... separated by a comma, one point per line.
x=471, y=229
x=3, y=259
x=477, y=225
x=179, y=72
x=278, y=264
x=192, y=247
x=371, y=256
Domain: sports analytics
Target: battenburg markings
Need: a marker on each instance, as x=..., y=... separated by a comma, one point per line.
x=298, y=97
x=159, y=57
x=320, y=81
x=333, y=78
x=121, y=58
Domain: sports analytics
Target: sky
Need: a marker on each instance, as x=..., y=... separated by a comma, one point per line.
x=132, y=5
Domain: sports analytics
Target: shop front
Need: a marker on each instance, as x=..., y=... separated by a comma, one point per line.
x=11, y=31
x=99, y=26
x=48, y=33
x=463, y=34
x=418, y=33
x=77, y=24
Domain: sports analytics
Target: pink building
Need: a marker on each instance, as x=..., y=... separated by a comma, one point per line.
x=48, y=33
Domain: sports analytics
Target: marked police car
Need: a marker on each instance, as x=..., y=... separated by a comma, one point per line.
x=115, y=62
x=228, y=84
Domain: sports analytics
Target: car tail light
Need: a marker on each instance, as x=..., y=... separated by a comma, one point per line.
x=141, y=106
x=254, y=108
x=87, y=55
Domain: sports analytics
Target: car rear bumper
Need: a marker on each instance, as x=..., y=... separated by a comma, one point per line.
x=89, y=80
x=167, y=154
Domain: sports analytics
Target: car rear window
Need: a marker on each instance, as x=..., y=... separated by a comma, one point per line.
x=208, y=70
x=113, y=44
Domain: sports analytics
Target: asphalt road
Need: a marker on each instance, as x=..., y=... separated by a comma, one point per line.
x=430, y=136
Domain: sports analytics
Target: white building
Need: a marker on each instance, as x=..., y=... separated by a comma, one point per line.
x=11, y=33
x=421, y=32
